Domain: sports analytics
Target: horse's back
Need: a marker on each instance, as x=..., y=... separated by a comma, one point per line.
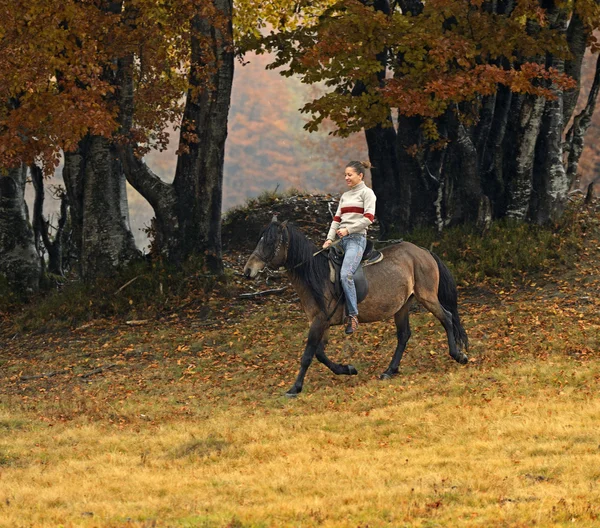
x=407, y=255
x=404, y=269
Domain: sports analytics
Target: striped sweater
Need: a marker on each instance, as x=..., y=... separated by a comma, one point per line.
x=355, y=212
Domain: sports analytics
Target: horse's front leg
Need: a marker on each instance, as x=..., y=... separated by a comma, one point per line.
x=336, y=368
x=315, y=335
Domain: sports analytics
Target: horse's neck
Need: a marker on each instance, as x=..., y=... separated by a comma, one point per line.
x=299, y=260
x=307, y=300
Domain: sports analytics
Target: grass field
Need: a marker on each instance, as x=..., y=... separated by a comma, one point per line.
x=182, y=422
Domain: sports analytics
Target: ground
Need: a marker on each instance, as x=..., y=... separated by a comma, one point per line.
x=181, y=420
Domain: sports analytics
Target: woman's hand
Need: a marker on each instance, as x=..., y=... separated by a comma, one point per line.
x=327, y=243
x=342, y=232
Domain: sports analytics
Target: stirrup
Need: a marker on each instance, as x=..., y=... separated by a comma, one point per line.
x=373, y=258
x=352, y=324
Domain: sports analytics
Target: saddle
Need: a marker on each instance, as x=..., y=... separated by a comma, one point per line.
x=336, y=257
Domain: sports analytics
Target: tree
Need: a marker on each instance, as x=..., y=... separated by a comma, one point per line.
x=19, y=261
x=483, y=91
x=62, y=98
x=107, y=83
x=188, y=211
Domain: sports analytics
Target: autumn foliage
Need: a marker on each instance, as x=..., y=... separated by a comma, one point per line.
x=451, y=53
x=61, y=77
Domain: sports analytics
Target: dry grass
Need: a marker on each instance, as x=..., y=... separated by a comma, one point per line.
x=423, y=459
x=501, y=442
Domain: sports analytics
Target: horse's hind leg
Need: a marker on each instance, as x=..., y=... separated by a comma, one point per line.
x=445, y=317
x=336, y=368
x=403, y=334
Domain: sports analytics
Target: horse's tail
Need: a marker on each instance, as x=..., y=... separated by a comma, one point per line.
x=448, y=297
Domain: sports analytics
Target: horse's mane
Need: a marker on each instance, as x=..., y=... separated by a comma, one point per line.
x=313, y=272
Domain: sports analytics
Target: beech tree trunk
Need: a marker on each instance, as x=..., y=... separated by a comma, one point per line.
x=390, y=189
x=521, y=141
x=581, y=123
x=55, y=246
x=73, y=171
x=107, y=243
x=549, y=174
x=19, y=260
x=188, y=212
x=95, y=184
x=198, y=179
x=576, y=38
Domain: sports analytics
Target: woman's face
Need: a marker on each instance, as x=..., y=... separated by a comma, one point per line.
x=352, y=177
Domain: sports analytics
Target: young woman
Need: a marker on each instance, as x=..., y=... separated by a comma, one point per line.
x=355, y=213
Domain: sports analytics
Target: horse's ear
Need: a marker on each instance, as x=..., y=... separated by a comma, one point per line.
x=274, y=219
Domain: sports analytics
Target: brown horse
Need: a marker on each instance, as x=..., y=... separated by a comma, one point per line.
x=407, y=271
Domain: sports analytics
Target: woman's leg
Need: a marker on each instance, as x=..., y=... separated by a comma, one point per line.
x=354, y=246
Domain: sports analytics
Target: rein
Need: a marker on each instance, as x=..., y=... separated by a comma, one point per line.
x=317, y=252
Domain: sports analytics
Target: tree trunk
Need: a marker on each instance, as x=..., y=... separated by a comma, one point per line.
x=37, y=220
x=106, y=240
x=491, y=153
x=589, y=195
x=462, y=190
x=188, y=212
x=390, y=189
x=161, y=197
x=581, y=123
x=576, y=39
x=549, y=176
x=522, y=140
x=420, y=177
x=56, y=246
x=19, y=260
x=198, y=181
x=73, y=177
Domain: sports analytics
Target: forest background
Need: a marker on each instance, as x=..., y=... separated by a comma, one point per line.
x=469, y=117
x=165, y=385
x=268, y=149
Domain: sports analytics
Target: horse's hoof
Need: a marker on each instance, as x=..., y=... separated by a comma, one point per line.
x=293, y=392
x=386, y=376
x=352, y=371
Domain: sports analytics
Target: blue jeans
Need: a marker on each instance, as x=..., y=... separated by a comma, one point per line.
x=354, y=247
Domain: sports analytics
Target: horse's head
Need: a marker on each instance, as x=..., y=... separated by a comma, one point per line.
x=271, y=249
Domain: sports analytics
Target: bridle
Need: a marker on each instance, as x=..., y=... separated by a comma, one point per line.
x=275, y=251
x=280, y=243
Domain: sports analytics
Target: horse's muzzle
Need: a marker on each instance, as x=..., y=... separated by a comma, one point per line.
x=253, y=267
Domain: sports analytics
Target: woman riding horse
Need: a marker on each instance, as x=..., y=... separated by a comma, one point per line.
x=355, y=213
x=406, y=272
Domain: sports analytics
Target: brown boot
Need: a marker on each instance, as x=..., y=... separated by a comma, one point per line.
x=351, y=324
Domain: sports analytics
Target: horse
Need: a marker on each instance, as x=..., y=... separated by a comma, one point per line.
x=406, y=272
